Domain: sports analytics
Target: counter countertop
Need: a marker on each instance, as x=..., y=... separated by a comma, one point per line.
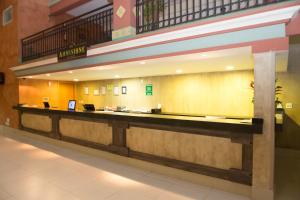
x=249, y=125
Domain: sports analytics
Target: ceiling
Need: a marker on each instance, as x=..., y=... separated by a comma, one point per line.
x=213, y=61
x=84, y=8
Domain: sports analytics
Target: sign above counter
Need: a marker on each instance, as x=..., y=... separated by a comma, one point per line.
x=149, y=90
x=74, y=51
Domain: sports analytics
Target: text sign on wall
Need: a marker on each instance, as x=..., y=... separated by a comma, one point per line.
x=72, y=52
x=149, y=90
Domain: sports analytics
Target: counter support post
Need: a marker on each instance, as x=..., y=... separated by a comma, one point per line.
x=55, y=126
x=20, y=120
x=119, y=137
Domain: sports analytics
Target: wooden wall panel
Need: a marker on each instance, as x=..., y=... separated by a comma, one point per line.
x=85, y=130
x=36, y=122
x=32, y=92
x=204, y=150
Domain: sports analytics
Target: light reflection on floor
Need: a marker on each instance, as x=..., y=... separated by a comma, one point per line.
x=35, y=170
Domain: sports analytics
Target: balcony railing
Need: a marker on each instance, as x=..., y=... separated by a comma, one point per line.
x=156, y=14
x=90, y=28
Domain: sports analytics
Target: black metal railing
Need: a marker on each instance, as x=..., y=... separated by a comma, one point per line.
x=156, y=14
x=90, y=28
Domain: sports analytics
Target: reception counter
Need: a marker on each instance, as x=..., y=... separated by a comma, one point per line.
x=217, y=147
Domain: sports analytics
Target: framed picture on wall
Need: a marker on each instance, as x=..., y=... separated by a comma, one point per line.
x=124, y=90
x=116, y=90
x=86, y=90
x=96, y=92
x=103, y=90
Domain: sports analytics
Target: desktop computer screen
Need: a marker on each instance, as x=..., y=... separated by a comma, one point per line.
x=72, y=105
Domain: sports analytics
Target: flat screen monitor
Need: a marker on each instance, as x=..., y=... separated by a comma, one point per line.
x=72, y=105
x=46, y=105
x=89, y=107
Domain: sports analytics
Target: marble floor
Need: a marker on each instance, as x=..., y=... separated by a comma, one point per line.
x=35, y=170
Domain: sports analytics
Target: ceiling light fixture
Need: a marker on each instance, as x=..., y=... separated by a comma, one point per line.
x=230, y=67
x=76, y=79
x=30, y=77
x=48, y=74
x=70, y=72
x=203, y=55
x=117, y=76
x=178, y=71
x=143, y=62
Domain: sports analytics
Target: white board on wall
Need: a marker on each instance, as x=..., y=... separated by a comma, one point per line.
x=96, y=92
x=86, y=90
x=103, y=90
x=116, y=90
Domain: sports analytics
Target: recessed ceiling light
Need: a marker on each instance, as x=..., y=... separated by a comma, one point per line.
x=230, y=67
x=117, y=76
x=48, y=74
x=143, y=62
x=70, y=72
x=203, y=55
x=76, y=79
x=97, y=68
x=178, y=71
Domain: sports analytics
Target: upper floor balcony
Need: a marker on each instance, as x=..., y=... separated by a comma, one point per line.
x=90, y=28
x=96, y=26
x=157, y=14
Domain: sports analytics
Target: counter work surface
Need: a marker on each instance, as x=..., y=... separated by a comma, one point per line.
x=237, y=125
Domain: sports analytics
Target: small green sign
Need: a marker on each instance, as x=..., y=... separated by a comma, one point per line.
x=149, y=90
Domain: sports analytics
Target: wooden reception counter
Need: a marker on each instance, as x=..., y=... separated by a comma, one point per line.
x=210, y=146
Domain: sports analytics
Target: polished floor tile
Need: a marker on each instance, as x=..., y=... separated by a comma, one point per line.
x=33, y=170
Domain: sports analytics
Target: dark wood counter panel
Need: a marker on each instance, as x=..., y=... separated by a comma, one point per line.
x=215, y=147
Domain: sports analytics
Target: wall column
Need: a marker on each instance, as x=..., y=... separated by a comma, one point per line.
x=264, y=145
x=124, y=22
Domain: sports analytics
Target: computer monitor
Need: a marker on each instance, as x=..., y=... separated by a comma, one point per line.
x=72, y=105
x=89, y=107
x=46, y=105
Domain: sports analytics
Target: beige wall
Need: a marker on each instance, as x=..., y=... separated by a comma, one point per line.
x=290, y=136
x=290, y=81
x=221, y=93
x=290, y=94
